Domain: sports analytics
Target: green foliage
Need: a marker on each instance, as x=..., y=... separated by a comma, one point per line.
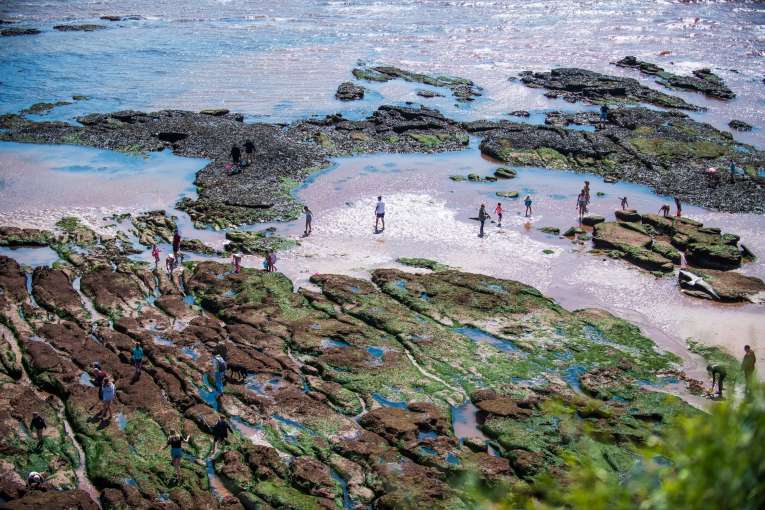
x=707, y=460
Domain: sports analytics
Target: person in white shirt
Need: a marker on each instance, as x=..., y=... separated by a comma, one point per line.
x=379, y=213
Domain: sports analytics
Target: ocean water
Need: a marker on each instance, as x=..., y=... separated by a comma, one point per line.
x=281, y=61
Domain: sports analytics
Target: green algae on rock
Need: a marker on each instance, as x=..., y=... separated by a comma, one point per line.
x=399, y=354
x=424, y=263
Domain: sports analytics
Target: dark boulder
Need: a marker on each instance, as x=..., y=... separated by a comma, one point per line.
x=87, y=27
x=348, y=91
x=10, y=32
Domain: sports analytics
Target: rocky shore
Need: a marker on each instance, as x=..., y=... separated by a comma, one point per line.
x=361, y=394
x=668, y=151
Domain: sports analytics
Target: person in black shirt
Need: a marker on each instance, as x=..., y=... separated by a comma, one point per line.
x=175, y=442
x=236, y=153
x=249, y=148
x=220, y=431
x=38, y=425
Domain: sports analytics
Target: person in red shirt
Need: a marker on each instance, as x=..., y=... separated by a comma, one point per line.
x=498, y=212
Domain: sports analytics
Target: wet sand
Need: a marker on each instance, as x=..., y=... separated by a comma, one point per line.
x=427, y=215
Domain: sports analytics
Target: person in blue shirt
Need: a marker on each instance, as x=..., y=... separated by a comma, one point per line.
x=136, y=355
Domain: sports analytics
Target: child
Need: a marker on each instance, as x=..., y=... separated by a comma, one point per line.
x=527, y=202
x=581, y=204
x=625, y=205
x=498, y=212
x=155, y=254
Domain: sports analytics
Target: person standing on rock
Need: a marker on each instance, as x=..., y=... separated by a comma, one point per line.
x=219, y=366
x=236, y=259
x=747, y=366
x=38, y=425
x=482, y=217
x=35, y=479
x=718, y=375
x=249, y=148
x=308, y=220
x=220, y=432
x=581, y=204
x=604, y=114
x=664, y=211
x=108, y=393
x=527, y=202
x=136, y=355
x=176, y=242
x=175, y=442
x=155, y=254
x=170, y=263
x=625, y=204
x=379, y=214
x=498, y=211
x=99, y=376
x=679, y=207
x=236, y=154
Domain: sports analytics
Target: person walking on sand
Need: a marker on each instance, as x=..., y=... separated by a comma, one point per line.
x=175, y=442
x=236, y=154
x=270, y=261
x=527, y=202
x=679, y=207
x=155, y=254
x=664, y=211
x=498, y=211
x=747, y=366
x=308, y=220
x=107, y=396
x=482, y=217
x=136, y=355
x=625, y=204
x=236, y=259
x=581, y=204
x=38, y=425
x=176, y=242
x=379, y=214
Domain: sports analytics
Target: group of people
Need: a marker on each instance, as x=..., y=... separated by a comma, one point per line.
x=665, y=208
x=483, y=216
x=718, y=373
x=107, y=390
x=173, y=259
x=237, y=162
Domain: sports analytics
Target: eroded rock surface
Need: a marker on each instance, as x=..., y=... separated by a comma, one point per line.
x=359, y=382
